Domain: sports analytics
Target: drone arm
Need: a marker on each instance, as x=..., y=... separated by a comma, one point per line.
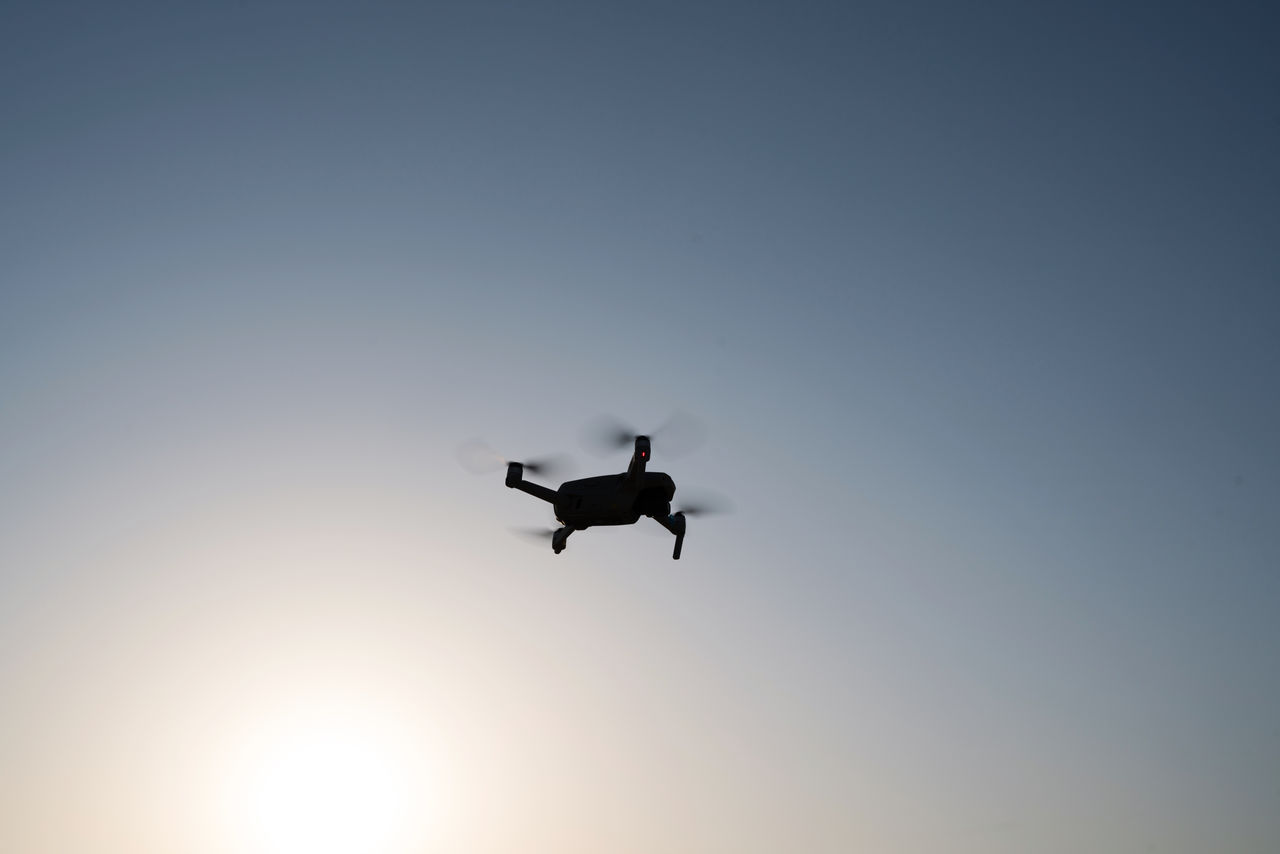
x=639, y=459
x=548, y=495
x=515, y=480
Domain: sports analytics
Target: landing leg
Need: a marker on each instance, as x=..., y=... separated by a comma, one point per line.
x=676, y=525
x=559, y=539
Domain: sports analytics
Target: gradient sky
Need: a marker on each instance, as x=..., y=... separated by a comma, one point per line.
x=979, y=308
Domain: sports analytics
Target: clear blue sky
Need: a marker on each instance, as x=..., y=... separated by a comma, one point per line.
x=978, y=305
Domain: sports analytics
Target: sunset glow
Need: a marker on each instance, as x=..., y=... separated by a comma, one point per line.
x=947, y=336
x=323, y=785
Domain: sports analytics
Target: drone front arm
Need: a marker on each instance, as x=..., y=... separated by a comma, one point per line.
x=639, y=459
x=515, y=480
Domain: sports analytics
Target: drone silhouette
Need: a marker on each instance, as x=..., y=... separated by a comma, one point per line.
x=611, y=499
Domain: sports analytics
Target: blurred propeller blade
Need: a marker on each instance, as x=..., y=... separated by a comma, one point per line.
x=680, y=434
x=701, y=503
x=605, y=434
x=534, y=533
x=478, y=458
x=549, y=466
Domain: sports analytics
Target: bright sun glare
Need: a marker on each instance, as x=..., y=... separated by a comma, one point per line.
x=325, y=785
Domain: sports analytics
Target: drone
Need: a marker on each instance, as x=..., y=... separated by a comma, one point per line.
x=611, y=499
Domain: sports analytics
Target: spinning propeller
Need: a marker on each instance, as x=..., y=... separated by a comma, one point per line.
x=535, y=533
x=704, y=505
x=680, y=434
x=478, y=458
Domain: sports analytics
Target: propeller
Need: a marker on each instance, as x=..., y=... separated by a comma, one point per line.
x=535, y=533
x=478, y=458
x=702, y=503
x=679, y=434
x=696, y=502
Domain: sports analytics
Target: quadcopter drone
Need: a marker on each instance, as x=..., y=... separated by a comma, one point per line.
x=611, y=499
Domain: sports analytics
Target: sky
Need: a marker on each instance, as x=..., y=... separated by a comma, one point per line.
x=977, y=305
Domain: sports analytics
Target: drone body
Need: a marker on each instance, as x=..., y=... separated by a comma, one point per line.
x=612, y=499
